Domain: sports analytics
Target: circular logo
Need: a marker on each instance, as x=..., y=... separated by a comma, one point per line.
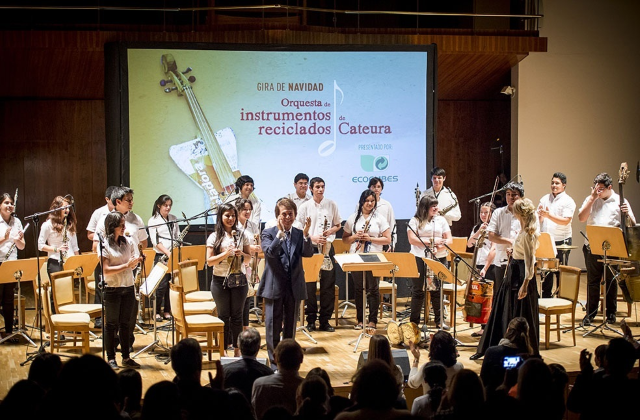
x=381, y=163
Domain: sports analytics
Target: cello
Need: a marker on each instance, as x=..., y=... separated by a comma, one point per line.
x=629, y=281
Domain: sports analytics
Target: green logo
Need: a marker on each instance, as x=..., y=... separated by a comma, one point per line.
x=371, y=163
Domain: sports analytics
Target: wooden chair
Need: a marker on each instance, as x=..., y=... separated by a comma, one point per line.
x=196, y=308
x=188, y=325
x=190, y=284
x=72, y=324
x=64, y=298
x=386, y=288
x=565, y=303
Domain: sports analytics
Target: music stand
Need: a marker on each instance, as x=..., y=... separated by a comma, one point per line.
x=192, y=252
x=610, y=240
x=363, y=262
x=340, y=247
x=80, y=264
x=444, y=275
x=404, y=266
x=311, y=266
x=148, y=288
x=546, y=257
x=11, y=272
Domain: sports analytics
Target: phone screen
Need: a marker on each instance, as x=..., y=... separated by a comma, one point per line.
x=511, y=362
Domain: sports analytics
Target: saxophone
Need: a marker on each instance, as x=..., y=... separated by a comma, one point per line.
x=65, y=241
x=449, y=207
x=327, y=264
x=165, y=258
x=254, y=263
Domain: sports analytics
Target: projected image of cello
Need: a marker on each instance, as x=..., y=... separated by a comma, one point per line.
x=210, y=160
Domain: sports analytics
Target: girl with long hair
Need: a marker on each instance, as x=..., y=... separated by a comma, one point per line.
x=225, y=249
x=52, y=232
x=366, y=231
x=119, y=256
x=162, y=229
x=428, y=228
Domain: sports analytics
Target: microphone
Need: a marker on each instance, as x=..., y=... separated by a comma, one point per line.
x=71, y=200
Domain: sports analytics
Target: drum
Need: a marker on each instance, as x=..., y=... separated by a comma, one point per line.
x=477, y=305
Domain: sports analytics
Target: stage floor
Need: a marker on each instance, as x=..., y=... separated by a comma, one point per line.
x=332, y=352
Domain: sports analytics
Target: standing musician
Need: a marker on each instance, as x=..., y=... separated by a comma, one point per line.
x=447, y=200
x=98, y=214
x=244, y=189
x=225, y=248
x=518, y=294
x=366, y=231
x=119, y=256
x=11, y=232
x=283, y=286
x=301, y=184
x=434, y=232
x=244, y=207
x=503, y=229
x=323, y=212
x=383, y=207
x=555, y=212
x=162, y=229
x=58, y=235
x=486, y=254
x=602, y=208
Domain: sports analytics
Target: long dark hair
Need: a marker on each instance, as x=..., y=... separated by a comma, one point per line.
x=435, y=375
x=443, y=348
x=220, y=231
x=159, y=203
x=380, y=349
x=518, y=334
x=111, y=223
x=57, y=218
x=363, y=197
x=422, y=212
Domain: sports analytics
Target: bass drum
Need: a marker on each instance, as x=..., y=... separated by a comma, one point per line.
x=477, y=305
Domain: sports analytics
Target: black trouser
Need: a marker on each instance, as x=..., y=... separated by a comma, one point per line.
x=162, y=291
x=6, y=299
x=120, y=307
x=498, y=273
x=595, y=270
x=230, y=304
x=373, y=294
x=418, y=286
x=327, y=295
x=547, y=279
x=97, y=275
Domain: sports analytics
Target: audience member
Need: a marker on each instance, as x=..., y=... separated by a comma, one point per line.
x=435, y=375
x=242, y=373
x=535, y=391
x=162, y=401
x=337, y=403
x=515, y=342
x=380, y=349
x=22, y=401
x=464, y=399
x=45, y=369
x=130, y=387
x=242, y=409
x=279, y=388
x=443, y=349
x=374, y=393
x=312, y=397
x=599, y=357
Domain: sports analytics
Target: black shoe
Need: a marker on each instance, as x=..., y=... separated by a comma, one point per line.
x=586, y=321
x=131, y=364
x=477, y=334
x=476, y=356
x=311, y=327
x=327, y=328
x=611, y=318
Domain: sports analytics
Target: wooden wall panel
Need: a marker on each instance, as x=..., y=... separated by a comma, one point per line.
x=58, y=148
x=467, y=130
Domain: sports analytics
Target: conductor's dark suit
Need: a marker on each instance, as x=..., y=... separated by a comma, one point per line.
x=282, y=285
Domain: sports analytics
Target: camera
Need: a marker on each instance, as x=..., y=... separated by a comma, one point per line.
x=511, y=362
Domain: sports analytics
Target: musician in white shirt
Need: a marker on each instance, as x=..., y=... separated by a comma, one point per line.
x=51, y=239
x=555, y=212
x=602, y=208
x=301, y=184
x=323, y=212
x=244, y=189
x=447, y=200
x=384, y=208
x=163, y=229
x=11, y=232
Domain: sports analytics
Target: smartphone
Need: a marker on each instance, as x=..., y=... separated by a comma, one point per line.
x=511, y=362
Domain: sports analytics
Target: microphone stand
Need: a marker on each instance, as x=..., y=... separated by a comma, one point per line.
x=457, y=258
x=427, y=252
x=36, y=219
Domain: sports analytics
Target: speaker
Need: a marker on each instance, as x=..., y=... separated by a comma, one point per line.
x=227, y=360
x=401, y=357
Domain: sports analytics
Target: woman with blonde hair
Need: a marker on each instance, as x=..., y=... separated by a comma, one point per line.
x=518, y=295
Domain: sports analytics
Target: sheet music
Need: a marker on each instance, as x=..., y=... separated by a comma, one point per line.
x=153, y=279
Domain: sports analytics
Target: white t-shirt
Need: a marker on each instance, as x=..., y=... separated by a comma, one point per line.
x=377, y=226
x=222, y=268
x=435, y=229
x=503, y=223
x=606, y=212
x=133, y=228
x=48, y=236
x=117, y=255
x=159, y=231
x=563, y=206
x=318, y=212
x=95, y=216
x=446, y=198
x=16, y=226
